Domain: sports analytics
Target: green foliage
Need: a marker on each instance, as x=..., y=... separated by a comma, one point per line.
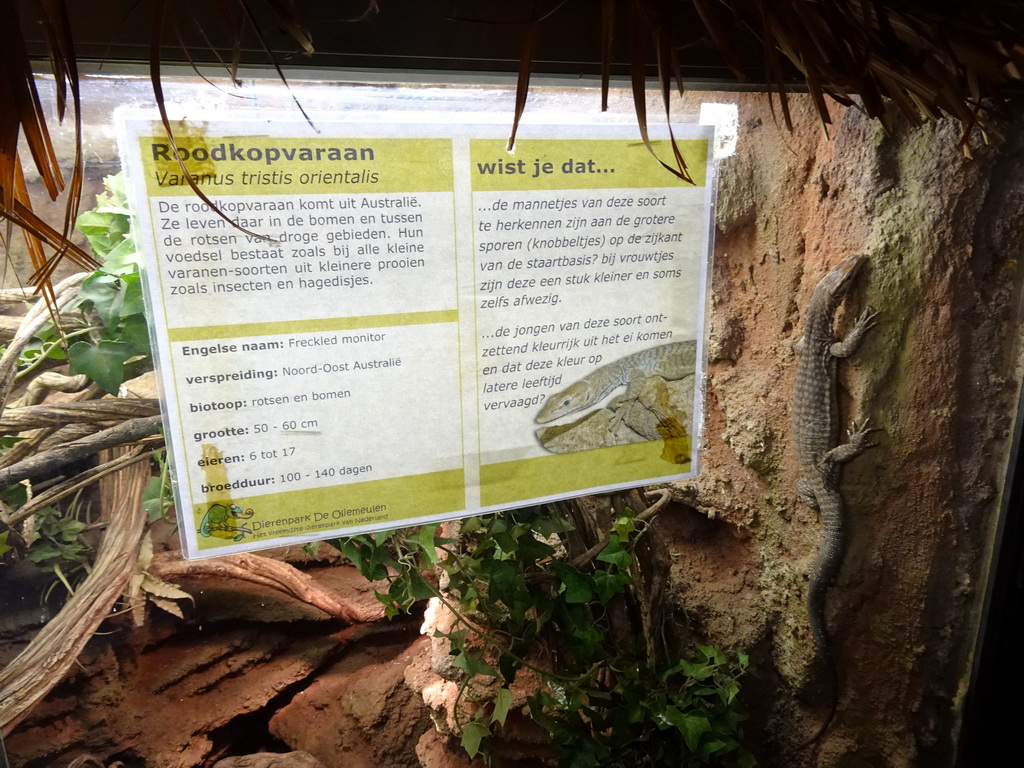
x=111, y=294
x=685, y=715
x=158, y=497
x=515, y=597
x=108, y=229
x=4, y=546
x=398, y=556
x=58, y=546
x=7, y=442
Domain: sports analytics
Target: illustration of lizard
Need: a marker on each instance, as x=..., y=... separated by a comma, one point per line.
x=816, y=436
x=222, y=521
x=670, y=361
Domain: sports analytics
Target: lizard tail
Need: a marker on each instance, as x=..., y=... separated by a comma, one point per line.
x=816, y=617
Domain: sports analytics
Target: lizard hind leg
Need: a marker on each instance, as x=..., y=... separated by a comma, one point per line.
x=624, y=402
x=805, y=492
x=859, y=435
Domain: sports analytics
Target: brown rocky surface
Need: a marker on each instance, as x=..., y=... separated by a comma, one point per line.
x=358, y=712
x=183, y=694
x=271, y=760
x=937, y=375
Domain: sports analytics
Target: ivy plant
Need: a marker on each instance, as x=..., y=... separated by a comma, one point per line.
x=112, y=296
x=158, y=497
x=58, y=546
x=517, y=600
x=113, y=292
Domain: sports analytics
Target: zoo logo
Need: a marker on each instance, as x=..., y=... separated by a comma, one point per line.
x=222, y=521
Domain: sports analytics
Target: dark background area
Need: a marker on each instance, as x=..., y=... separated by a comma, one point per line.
x=446, y=35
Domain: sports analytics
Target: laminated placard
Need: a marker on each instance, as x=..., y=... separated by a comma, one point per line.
x=410, y=323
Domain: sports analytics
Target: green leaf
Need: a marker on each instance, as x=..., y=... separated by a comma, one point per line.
x=473, y=665
x=746, y=759
x=5, y=548
x=419, y=587
x=472, y=734
x=124, y=258
x=425, y=538
x=588, y=636
x=508, y=665
x=608, y=585
x=135, y=333
x=16, y=495
x=578, y=586
x=729, y=691
x=132, y=302
x=549, y=524
x=531, y=549
x=103, y=363
x=504, y=580
x=156, y=498
x=456, y=638
x=106, y=292
x=615, y=553
x=713, y=655
x=8, y=441
x=692, y=727
x=390, y=609
x=536, y=704
x=104, y=231
x=502, y=702
x=624, y=526
x=362, y=552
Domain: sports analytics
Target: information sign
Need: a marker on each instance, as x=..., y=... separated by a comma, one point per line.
x=419, y=325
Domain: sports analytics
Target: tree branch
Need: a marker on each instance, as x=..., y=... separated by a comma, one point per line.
x=51, y=462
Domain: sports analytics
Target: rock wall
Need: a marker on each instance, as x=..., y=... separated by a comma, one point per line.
x=248, y=670
x=937, y=376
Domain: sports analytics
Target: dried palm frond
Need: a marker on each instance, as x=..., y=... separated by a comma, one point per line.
x=922, y=58
x=237, y=16
x=23, y=118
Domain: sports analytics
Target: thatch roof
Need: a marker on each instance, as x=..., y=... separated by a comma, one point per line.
x=922, y=58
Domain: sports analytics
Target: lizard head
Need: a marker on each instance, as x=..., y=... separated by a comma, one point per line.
x=570, y=399
x=836, y=284
x=840, y=277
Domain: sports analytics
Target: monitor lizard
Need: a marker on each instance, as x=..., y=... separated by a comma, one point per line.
x=670, y=361
x=819, y=453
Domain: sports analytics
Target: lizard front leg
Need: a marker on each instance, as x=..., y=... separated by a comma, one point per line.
x=846, y=347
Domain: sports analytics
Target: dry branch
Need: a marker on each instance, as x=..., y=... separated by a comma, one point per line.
x=52, y=381
x=51, y=496
x=8, y=326
x=645, y=516
x=268, y=573
x=51, y=462
x=35, y=319
x=32, y=440
x=43, y=664
x=39, y=416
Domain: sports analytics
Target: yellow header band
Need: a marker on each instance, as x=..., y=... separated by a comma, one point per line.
x=581, y=164
x=262, y=165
